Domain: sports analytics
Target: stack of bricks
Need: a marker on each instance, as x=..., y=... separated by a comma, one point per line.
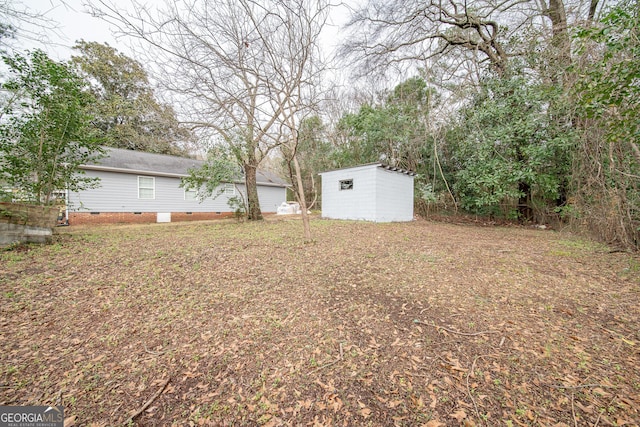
x=26, y=223
x=33, y=215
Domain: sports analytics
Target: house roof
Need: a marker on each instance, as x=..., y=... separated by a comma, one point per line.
x=139, y=162
x=376, y=164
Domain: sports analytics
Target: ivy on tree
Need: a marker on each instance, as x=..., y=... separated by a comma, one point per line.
x=607, y=180
x=219, y=168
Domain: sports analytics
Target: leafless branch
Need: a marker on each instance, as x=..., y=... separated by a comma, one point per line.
x=240, y=69
x=147, y=403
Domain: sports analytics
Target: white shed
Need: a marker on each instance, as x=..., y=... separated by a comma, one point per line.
x=371, y=192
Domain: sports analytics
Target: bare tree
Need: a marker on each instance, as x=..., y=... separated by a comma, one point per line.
x=237, y=67
x=304, y=21
x=460, y=36
x=18, y=21
x=398, y=31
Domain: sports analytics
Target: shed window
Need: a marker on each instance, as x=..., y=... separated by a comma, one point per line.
x=146, y=187
x=346, y=184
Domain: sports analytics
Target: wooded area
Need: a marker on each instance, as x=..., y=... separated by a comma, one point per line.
x=514, y=110
x=522, y=110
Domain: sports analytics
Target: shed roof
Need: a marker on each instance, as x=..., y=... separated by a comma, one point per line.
x=376, y=164
x=139, y=162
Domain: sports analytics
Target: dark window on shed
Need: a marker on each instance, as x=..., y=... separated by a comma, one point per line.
x=346, y=184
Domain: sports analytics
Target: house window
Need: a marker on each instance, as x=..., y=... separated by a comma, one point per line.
x=146, y=187
x=346, y=184
x=59, y=195
x=230, y=189
x=190, y=194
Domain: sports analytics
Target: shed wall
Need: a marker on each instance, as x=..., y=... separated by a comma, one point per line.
x=378, y=194
x=394, y=196
x=358, y=203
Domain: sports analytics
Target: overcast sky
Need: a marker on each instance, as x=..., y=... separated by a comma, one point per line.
x=74, y=23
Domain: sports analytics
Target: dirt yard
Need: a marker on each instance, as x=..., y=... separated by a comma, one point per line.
x=425, y=323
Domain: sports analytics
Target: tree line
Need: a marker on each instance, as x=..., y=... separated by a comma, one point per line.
x=521, y=110
x=517, y=110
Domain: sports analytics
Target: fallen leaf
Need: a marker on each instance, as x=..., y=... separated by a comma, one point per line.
x=601, y=392
x=434, y=401
x=433, y=423
x=530, y=415
x=459, y=415
x=585, y=409
x=305, y=403
x=394, y=403
x=365, y=412
x=274, y=422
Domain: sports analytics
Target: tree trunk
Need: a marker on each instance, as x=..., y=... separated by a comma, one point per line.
x=253, y=203
x=592, y=10
x=302, y=200
x=561, y=39
x=525, y=213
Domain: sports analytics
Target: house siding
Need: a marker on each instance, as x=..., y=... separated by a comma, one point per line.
x=118, y=193
x=378, y=194
x=270, y=197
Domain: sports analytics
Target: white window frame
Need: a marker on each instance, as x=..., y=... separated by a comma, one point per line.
x=152, y=188
x=229, y=189
x=190, y=198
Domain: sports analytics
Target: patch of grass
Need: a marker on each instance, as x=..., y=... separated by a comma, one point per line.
x=561, y=253
x=582, y=244
x=10, y=257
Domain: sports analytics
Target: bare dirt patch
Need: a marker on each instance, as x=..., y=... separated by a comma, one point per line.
x=425, y=323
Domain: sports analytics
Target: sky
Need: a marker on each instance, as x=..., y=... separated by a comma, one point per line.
x=73, y=22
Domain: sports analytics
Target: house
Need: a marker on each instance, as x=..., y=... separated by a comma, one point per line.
x=371, y=192
x=143, y=187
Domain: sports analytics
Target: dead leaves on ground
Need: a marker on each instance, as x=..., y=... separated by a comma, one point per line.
x=256, y=328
